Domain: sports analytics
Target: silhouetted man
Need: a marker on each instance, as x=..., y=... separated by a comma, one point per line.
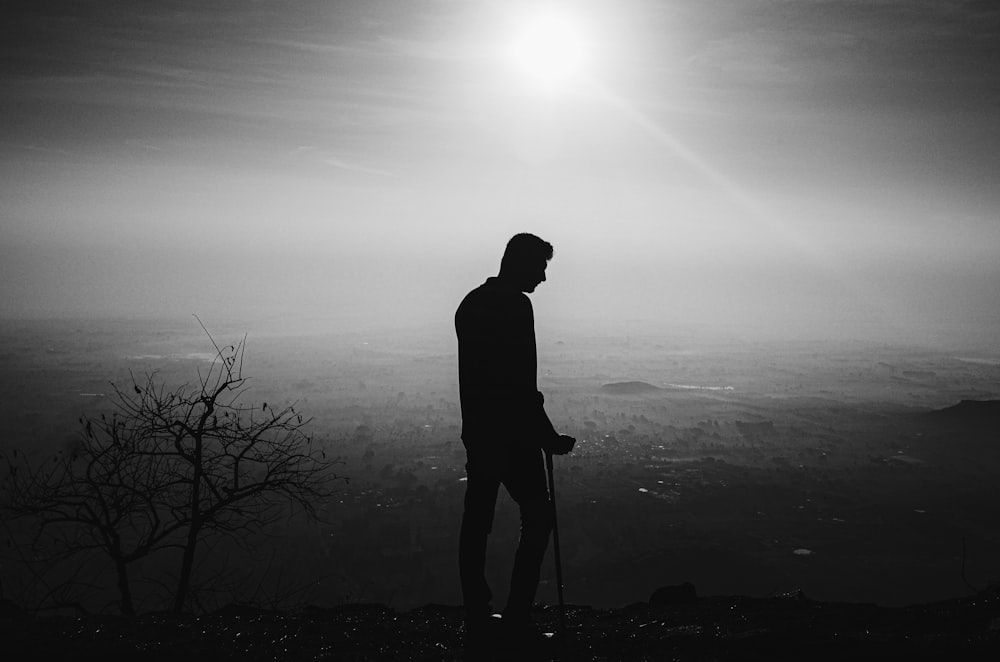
x=504, y=430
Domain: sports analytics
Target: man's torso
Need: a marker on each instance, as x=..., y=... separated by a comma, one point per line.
x=497, y=361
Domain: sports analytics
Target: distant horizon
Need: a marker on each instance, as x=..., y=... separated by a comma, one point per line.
x=986, y=347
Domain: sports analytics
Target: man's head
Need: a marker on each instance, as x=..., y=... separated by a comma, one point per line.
x=524, y=261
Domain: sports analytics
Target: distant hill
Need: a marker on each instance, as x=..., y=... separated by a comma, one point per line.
x=968, y=413
x=629, y=388
x=966, y=432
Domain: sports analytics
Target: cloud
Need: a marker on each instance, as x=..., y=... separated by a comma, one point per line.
x=746, y=56
x=338, y=162
x=317, y=155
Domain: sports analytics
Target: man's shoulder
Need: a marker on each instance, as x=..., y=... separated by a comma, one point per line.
x=490, y=294
x=488, y=307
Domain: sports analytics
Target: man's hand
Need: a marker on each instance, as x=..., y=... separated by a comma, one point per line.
x=560, y=445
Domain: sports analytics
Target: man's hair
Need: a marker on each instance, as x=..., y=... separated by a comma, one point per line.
x=525, y=249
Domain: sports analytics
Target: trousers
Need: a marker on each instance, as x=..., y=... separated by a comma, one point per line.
x=522, y=472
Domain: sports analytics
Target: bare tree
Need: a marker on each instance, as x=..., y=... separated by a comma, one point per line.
x=167, y=468
x=100, y=494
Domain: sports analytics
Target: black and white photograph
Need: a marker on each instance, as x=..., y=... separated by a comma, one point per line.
x=489, y=330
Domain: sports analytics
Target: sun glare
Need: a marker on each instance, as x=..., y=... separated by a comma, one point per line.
x=549, y=49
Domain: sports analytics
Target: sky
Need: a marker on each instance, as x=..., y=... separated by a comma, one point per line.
x=775, y=168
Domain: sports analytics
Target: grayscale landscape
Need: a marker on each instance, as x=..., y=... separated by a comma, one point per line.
x=770, y=318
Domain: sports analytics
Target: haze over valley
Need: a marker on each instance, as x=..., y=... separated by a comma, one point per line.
x=750, y=468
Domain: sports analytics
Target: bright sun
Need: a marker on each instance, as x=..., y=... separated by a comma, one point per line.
x=549, y=49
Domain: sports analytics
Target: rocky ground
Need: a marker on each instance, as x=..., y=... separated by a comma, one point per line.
x=677, y=627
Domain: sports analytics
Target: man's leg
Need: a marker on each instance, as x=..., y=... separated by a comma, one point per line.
x=527, y=486
x=477, y=523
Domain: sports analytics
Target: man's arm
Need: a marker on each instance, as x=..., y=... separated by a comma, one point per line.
x=552, y=442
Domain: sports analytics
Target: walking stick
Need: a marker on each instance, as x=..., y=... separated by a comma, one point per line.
x=555, y=547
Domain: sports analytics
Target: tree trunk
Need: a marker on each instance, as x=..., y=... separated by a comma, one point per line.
x=124, y=588
x=187, y=563
x=194, y=529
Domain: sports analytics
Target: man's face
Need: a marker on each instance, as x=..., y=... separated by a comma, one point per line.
x=533, y=276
